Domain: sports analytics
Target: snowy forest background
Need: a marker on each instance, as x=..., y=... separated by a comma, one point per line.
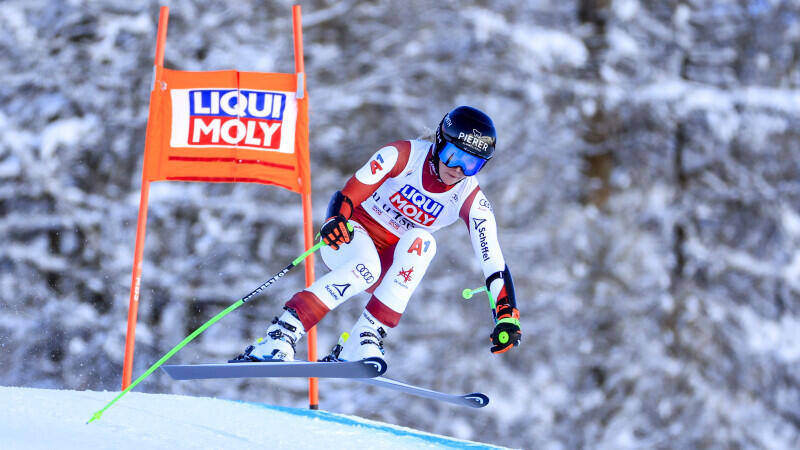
x=646, y=184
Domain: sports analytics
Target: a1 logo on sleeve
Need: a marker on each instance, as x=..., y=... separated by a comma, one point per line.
x=381, y=163
x=375, y=164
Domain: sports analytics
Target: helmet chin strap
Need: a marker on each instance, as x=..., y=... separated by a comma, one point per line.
x=434, y=161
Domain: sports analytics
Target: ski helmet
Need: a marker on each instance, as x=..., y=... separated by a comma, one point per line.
x=465, y=137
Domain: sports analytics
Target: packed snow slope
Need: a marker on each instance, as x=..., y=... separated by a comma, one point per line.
x=646, y=186
x=48, y=419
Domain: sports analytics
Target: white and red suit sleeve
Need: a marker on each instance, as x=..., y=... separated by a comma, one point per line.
x=389, y=161
x=477, y=214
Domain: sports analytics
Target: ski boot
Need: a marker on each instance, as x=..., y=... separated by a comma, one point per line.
x=364, y=340
x=279, y=343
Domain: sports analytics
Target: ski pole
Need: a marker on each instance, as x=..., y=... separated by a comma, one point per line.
x=468, y=293
x=503, y=337
x=214, y=319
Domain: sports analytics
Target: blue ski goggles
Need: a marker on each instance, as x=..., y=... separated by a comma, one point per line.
x=453, y=156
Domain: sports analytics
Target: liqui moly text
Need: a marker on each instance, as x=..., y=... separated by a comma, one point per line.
x=415, y=205
x=229, y=118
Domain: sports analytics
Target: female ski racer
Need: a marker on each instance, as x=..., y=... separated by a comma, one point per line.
x=406, y=191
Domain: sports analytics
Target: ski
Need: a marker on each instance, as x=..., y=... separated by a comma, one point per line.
x=474, y=400
x=365, y=368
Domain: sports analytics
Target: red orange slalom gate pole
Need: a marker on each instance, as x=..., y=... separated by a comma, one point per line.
x=141, y=223
x=299, y=68
x=141, y=226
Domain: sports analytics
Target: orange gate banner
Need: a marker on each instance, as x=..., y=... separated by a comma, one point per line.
x=228, y=126
x=225, y=127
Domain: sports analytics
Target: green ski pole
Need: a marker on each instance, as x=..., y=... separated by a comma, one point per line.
x=214, y=319
x=468, y=293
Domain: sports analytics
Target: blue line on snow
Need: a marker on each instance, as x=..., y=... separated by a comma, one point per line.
x=344, y=420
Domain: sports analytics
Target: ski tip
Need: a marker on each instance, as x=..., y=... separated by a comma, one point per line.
x=476, y=399
x=379, y=364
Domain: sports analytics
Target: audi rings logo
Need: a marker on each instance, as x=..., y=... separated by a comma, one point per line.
x=365, y=273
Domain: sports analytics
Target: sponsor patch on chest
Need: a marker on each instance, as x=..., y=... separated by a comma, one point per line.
x=415, y=205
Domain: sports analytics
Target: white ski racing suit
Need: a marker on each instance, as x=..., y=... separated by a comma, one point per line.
x=399, y=201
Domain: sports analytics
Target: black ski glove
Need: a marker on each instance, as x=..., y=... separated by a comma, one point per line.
x=505, y=336
x=506, y=333
x=335, y=233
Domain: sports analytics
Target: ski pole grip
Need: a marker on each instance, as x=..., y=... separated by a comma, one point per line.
x=316, y=247
x=468, y=293
x=321, y=243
